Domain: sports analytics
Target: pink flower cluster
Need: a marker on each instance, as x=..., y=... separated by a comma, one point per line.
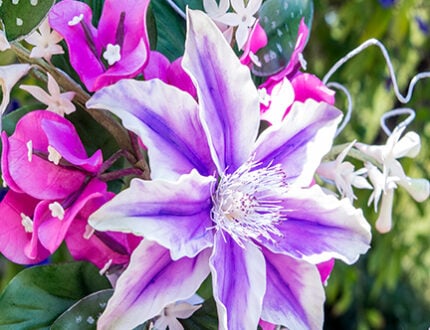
x=53, y=188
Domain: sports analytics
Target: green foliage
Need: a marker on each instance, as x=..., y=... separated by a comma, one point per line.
x=84, y=314
x=21, y=17
x=10, y=120
x=37, y=296
x=389, y=287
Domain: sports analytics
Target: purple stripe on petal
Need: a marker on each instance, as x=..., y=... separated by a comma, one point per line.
x=320, y=227
x=238, y=276
x=228, y=98
x=166, y=119
x=174, y=214
x=151, y=282
x=300, y=142
x=294, y=296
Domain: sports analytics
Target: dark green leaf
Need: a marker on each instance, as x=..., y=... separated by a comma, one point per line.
x=280, y=20
x=21, y=17
x=97, y=7
x=9, y=121
x=37, y=296
x=170, y=30
x=84, y=314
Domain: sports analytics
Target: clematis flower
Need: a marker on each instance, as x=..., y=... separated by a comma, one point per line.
x=45, y=42
x=224, y=201
x=60, y=103
x=118, y=48
x=9, y=76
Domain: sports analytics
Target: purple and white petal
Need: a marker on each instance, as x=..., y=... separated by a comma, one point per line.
x=151, y=282
x=319, y=227
x=166, y=119
x=238, y=277
x=300, y=141
x=294, y=296
x=174, y=214
x=227, y=96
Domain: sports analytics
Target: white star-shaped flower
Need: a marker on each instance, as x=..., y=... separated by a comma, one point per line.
x=243, y=18
x=385, y=182
x=45, y=42
x=112, y=54
x=170, y=314
x=4, y=43
x=60, y=103
x=9, y=76
x=343, y=174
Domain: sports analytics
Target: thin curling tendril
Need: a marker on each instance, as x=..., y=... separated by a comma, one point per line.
x=400, y=97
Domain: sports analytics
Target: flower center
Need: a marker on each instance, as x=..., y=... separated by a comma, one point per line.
x=247, y=203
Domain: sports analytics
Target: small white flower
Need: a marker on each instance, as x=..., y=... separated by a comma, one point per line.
x=53, y=155
x=45, y=42
x=112, y=54
x=60, y=103
x=214, y=10
x=243, y=18
x=27, y=223
x=4, y=43
x=75, y=20
x=386, y=182
x=170, y=314
x=9, y=76
x=343, y=174
x=57, y=210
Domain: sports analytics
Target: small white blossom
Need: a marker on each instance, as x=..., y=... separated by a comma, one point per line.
x=9, y=76
x=53, y=155
x=343, y=174
x=45, y=42
x=4, y=43
x=170, y=314
x=243, y=18
x=75, y=20
x=385, y=182
x=60, y=103
x=112, y=54
x=57, y=211
x=215, y=10
x=27, y=223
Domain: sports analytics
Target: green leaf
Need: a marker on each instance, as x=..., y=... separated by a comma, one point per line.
x=170, y=30
x=280, y=20
x=21, y=17
x=9, y=121
x=84, y=314
x=37, y=296
x=96, y=7
x=171, y=27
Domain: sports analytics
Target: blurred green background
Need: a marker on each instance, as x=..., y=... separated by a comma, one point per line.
x=389, y=288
